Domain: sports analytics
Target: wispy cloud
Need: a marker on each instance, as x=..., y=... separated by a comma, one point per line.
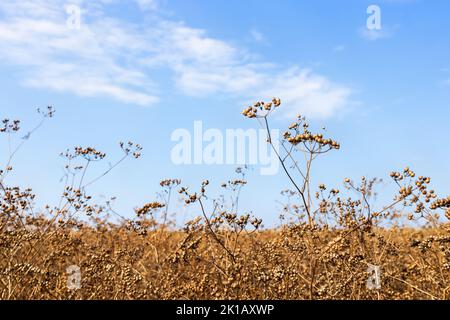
x=257, y=36
x=309, y=93
x=147, y=4
x=339, y=48
x=109, y=56
x=374, y=34
x=386, y=31
x=34, y=35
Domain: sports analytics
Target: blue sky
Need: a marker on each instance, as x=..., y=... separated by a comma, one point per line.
x=138, y=70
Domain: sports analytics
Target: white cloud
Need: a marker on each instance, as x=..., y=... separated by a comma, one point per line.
x=339, y=48
x=147, y=4
x=34, y=35
x=115, y=58
x=377, y=34
x=308, y=94
x=86, y=83
x=373, y=34
x=227, y=79
x=257, y=36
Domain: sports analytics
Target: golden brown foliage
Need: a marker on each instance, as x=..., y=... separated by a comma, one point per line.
x=333, y=247
x=296, y=262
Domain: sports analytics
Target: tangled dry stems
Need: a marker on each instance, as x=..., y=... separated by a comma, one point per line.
x=321, y=251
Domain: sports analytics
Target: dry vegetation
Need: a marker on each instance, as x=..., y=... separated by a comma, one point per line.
x=327, y=248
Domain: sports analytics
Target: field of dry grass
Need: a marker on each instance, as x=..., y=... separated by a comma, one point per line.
x=334, y=248
x=293, y=263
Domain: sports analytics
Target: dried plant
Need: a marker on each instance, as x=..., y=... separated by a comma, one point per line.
x=338, y=244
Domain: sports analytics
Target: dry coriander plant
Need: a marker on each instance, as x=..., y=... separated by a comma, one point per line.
x=339, y=244
x=298, y=138
x=345, y=217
